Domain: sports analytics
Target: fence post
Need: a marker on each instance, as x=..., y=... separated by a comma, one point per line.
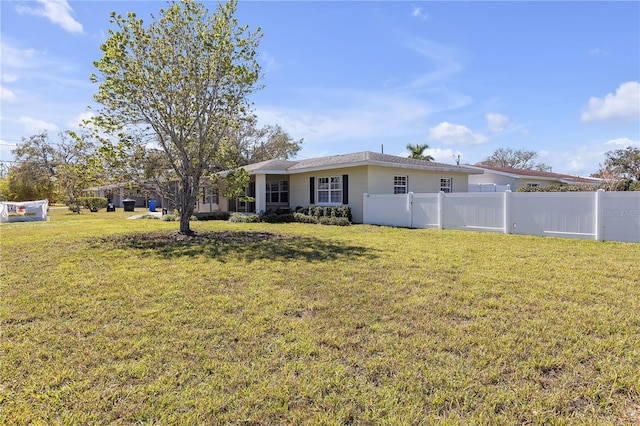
x=507, y=211
x=364, y=207
x=599, y=213
x=410, y=208
x=441, y=210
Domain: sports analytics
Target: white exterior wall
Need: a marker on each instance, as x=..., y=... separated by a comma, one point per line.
x=515, y=183
x=373, y=180
x=420, y=181
x=493, y=178
x=299, y=188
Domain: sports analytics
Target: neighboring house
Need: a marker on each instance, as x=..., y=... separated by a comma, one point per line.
x=118, y=192
x=513, y=179
x=341, y=180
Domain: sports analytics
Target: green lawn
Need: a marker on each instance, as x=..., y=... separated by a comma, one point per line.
x=111, y=321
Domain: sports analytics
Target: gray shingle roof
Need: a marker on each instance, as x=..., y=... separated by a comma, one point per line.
x=352, y=160
x=539, y=174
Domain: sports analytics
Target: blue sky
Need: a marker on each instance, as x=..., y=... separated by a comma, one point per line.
x=559, y=78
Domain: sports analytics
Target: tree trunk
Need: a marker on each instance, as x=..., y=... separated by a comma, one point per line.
x=187, y=199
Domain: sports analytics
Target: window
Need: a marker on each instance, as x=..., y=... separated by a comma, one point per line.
x=445, y=185
x=532, y=184
x=278, y=191
x=330, y=190
x=399, y=184
x=209, y=196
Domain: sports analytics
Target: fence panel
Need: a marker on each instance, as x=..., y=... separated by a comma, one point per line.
x=387, y=209
x=558, y=214
x=474, y=211
x=621, y=216
x=425, y=211
x=608, y=216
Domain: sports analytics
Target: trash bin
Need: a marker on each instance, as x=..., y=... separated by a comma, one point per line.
x=152, y=205
x=111, y=207
x=129, y=205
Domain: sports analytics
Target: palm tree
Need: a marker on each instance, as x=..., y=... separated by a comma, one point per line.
x=416, y=152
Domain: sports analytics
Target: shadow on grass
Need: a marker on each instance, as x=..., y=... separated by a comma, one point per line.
x=223, y=245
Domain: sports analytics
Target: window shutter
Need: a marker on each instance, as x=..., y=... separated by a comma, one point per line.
x=407, y=184
x=345, y=189
x=312, y=190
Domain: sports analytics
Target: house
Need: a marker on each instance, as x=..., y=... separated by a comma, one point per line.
x=341, y=180
x=337, y=180
x=513, y=179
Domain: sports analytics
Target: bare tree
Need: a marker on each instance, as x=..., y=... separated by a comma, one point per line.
x=509, y=159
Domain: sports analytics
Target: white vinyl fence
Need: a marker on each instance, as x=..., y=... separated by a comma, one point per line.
x=600, y=215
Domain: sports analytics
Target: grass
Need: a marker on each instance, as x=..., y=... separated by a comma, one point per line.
x=111, y=321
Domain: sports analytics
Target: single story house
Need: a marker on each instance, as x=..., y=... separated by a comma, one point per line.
x=513, y=179
x=341, y=180
x=337, y=180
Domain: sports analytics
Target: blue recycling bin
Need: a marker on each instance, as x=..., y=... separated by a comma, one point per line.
x=152, y=205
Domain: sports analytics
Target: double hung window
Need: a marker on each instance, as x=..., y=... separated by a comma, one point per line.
x=399, y=184
x=330, y=190
x=278, y=191
x=446, y=185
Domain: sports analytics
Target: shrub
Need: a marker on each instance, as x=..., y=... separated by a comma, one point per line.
x=243, y=218
x=277, y=218
x=337, y=221
x=304, y=218
x=213, y=216
x=557, y=187
x=176, y=217
x=93, y=203
x=329, y=211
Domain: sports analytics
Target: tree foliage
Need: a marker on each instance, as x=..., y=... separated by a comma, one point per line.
x=509, y=159
x=621, y=170
x=184, y=79
x=417, y=152
x=33, y=175
x=55, y=170
x=625, y=162
x=255, y=144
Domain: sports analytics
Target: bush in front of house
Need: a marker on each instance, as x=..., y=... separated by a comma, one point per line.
x=93, y=203
x=325, y=215
x=277, y=218
x=213, y=216
x=243, y=218
x=336, y=221
x=304, y=218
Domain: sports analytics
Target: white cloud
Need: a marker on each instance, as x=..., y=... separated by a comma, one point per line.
x=418, y=13
x=7, y=95
x=444, y=61
x=497, y=122
x=270, y=63
x=75, y=122
x=598, y=51
x=623, y=142
x=624, y=104
x=15, y=57
x=456, y=134
x=57, y=11
x=8, y=78
x=33, y=125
